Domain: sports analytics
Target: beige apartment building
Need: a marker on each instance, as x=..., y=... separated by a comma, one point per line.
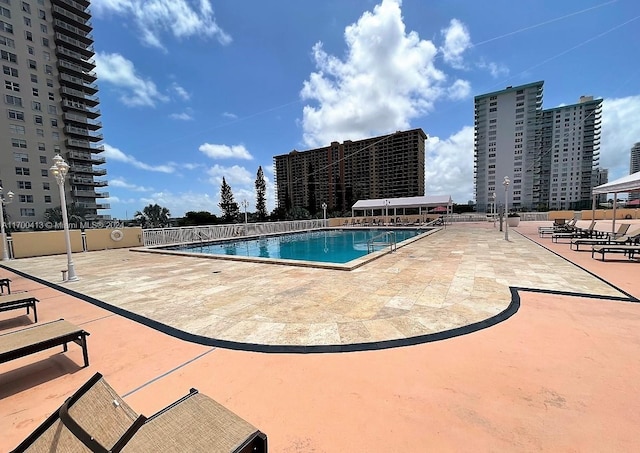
x=388, y=166
x=50, y=106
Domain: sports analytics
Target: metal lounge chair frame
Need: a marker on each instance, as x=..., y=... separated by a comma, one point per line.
x=577, y=233
x=607, y=240
x=558, y=228
x=5, y=282
x=40, y=337
x=19, y=300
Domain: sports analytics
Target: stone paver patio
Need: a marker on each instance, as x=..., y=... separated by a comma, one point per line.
x=448, y=280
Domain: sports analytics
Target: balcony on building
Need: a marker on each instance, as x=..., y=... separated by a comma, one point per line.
x=76, y=15
x=84, y=145
x=83, y=133
x=70, y=104
x=83, y=193
x=81, y=67
x=87, y=169
x=86, y=49
x=78, y=7
x=70, y=117
x=88, y=181
x=87, y=63
x=80, y=96
x=78, y=83
x=85, y=156
x=72, y=31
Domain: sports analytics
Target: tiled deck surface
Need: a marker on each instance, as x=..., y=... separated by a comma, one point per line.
x=450, y=279
x=559, y=375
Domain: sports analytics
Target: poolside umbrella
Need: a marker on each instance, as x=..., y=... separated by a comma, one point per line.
x=634, y=202
x=439, y=209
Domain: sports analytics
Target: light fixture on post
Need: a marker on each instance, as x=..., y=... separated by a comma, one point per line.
x=5, y=244
x=60, y=169
x=324, y=213
x=245, y=205
x=493, y=209
x=505, y=183
x=386, y=210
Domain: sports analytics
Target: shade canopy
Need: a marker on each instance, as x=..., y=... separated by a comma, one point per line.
x=424, y=201
x=627, y=183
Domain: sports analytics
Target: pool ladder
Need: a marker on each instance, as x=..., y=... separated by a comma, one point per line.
x=386, y=239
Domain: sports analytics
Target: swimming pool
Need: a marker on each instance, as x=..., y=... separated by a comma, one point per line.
x=338, y=246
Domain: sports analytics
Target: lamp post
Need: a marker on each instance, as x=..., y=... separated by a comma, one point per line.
x=245, y=205
x=493, y=209
x=5, y=244
x=59, y=170
x=505, y=183
x=324, y=213
x=386, y=210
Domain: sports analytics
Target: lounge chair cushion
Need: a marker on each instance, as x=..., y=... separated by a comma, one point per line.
x=97, y=408
x=196, y=424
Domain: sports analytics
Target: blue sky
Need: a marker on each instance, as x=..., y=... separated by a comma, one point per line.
x=192, y=91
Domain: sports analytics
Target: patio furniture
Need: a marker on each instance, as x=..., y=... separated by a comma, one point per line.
x=622, y=230
x=578, y=233
x=96, y=419
x=5, y=282
x=559, y=226
x=21, y=343
x=19, y=300
x=627, y=250
x=607, y=240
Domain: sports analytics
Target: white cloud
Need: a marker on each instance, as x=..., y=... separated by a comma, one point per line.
x=191, y=166
x=180, y=91
x=236, y=174
x=620, y=130
x=459, y=90
x=184, y=116
x=225, y=151
x=456, y=41
x=449, y=166
x=112, y=153
x=495, y=69
x=230, y=115
x=134, y=90
x=387, y=78
x=122, y=183
x=157, y=17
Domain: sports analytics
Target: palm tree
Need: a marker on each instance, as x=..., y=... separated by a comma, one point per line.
x=75, y=214
x=153, y=216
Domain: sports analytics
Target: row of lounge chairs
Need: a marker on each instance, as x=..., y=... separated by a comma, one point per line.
x=600, y=242
x=392, y=222
x=96, y=419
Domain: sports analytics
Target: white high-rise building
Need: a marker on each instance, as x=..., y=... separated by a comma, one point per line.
x=49, y=106
x=570, y=150
x=634, y=166
x=506, y=128
x=549, y=155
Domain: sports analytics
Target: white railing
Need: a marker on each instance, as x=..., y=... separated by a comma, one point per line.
x=178, y=235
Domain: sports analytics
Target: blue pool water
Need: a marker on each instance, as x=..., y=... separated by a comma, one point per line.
x=327, y=246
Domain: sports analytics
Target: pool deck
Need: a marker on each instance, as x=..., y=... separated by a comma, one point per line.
x=556, y=375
